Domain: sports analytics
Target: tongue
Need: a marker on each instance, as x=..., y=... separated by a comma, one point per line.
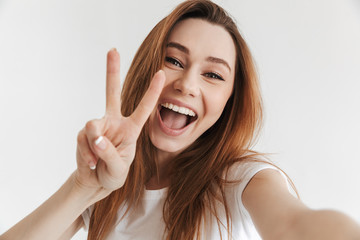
x=173, y=119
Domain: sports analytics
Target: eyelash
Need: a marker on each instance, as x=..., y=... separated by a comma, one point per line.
x=174, y=61
x=214, y=75
x=177, y=63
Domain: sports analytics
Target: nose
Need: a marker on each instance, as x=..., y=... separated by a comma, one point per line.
x=188, y=84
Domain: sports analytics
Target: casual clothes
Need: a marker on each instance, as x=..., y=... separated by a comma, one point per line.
x=146, y=222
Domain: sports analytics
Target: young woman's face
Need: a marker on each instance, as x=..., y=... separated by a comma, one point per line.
x=199, y=69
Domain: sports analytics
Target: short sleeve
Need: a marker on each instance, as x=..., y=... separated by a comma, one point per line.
x=244, y=172
x=86, y=215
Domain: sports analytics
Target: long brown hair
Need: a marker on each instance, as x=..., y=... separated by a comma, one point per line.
x=197, y=178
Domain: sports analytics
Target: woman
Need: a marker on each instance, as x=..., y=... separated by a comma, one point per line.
x=176, y=162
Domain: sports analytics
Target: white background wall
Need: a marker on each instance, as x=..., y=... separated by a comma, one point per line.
x=52, y=81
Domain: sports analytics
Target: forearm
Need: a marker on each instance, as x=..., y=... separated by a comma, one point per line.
x=323, y=224
x=55, y=216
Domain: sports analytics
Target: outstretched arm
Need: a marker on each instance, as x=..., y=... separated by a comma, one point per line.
x=278, y=215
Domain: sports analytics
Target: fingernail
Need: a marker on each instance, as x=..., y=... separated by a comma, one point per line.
x=100, y=143
x=113, y=49
x=92, y=166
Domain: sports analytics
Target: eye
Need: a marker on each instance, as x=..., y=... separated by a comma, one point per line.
x=213, y=75
x=174, y=61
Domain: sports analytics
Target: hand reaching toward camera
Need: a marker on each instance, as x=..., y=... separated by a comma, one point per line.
x=106, y=147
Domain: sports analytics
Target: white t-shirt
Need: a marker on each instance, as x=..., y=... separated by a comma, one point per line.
x=146, y=222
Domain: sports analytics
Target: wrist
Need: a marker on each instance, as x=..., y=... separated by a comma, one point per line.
x=88, y=195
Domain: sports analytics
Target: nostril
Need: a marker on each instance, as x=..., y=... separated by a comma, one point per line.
x=186, y=86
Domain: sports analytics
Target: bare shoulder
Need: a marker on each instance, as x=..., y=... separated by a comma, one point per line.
x=272, y=207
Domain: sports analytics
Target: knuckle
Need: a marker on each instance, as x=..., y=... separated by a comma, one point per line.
x=81, y=136
x=92, y=125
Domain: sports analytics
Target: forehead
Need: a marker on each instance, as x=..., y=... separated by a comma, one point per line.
x=204, y=39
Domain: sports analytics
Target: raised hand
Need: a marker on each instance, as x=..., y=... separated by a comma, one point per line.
x=106, y=146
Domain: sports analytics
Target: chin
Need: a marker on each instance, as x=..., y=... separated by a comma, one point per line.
x=166, y=145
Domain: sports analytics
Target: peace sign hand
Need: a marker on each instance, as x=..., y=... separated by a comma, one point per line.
x=108, y=145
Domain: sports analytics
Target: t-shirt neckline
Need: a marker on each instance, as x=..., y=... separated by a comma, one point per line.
x=155, y=194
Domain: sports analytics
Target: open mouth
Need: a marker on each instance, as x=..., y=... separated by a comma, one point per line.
x=175, y=117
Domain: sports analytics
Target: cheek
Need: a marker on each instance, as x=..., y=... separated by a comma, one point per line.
x=215, y=102
x=170, y=75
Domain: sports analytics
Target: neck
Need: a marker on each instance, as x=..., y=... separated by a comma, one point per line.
x=161, y=180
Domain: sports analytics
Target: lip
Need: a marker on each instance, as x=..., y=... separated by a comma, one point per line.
x=163, y=127
x=177, y=103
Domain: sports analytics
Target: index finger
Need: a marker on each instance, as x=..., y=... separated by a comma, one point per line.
x=148, y=102
x=113, y=88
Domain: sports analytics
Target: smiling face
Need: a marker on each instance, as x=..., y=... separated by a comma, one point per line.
x=199, y=68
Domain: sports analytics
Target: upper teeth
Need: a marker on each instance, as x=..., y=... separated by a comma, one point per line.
x=182, y=110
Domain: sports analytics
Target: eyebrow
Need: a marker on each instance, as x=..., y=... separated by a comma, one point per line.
x=178, y=46
x=208, y=59
x=218, y=60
